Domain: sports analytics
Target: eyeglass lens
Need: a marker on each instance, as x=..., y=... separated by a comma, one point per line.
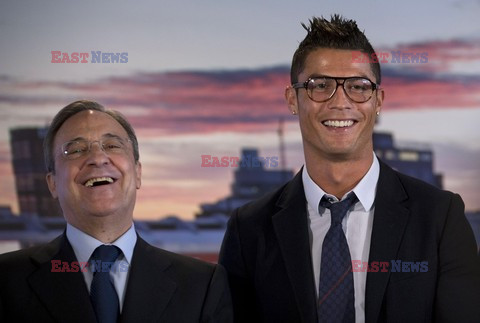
x=357, y=89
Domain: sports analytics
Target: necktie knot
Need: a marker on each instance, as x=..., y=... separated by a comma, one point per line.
x=339, y=209
x=106, y=253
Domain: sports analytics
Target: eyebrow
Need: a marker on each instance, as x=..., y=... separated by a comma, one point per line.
x=111, y=135
x=76, y=139
x=316, y=75
x=104, y=136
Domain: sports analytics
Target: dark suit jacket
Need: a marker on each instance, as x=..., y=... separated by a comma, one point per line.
x=266, y=252
x=161, y=287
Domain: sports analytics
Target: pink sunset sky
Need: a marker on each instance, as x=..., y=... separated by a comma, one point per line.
x=207, y=78
x=182, y=115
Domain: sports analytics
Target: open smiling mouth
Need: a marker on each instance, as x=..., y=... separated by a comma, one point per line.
x=97, y=181
x=338, y=123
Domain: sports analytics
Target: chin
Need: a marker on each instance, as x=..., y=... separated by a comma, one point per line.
x=101, y=211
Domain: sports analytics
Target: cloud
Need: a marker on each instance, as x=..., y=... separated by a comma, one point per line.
x=180, y=115
x=240, y=100
x=453, y=57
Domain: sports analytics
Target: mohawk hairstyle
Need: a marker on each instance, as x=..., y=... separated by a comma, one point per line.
x=338, y=33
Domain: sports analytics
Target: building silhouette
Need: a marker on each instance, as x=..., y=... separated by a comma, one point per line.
x=29, y=169
x=254, y=177
x=252, y=182
x=415, y=160
x=201, y=237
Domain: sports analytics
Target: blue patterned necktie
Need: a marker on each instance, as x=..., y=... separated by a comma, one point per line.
x=336, y=293
x=102, y=292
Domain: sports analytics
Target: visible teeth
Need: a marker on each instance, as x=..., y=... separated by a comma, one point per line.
x=92, y=181
x=338, y=124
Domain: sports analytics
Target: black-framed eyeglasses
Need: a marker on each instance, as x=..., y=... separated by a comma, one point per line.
x=321, y=89
x=81, y=147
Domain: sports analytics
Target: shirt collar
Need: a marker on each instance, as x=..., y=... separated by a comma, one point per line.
x=84, y=245
x=365, y=189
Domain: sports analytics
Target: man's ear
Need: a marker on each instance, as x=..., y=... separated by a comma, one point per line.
x=52, y=187
x=138, y=171
x=380, y=98
x=291, y=98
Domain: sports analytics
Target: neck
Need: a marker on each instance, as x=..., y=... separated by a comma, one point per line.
x=105, y=229
x=337, y=176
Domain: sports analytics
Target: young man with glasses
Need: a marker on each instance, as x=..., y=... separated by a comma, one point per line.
x=100, y=270
x=348, y=239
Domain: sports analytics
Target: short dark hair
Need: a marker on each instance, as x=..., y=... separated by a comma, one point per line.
x=338, y=33
x=72, y=109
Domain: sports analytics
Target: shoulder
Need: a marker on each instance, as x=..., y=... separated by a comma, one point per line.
x=265, y=207
x=428, y=206
x=178, y=264
x=262, y=206
x=24, y=258
x=11, y=261
x=18, y=255
x=20, y=264
x=189, y=264
x=415, y=189
x=256, y=217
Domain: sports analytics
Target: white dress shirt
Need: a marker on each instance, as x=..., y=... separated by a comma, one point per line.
x=84, y=245
x=357, y=225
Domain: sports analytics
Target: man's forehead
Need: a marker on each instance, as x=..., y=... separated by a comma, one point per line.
x=336, y=63
x=90, y=123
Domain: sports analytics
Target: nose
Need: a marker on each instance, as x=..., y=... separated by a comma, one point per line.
x=96, y=154
x=340, y=100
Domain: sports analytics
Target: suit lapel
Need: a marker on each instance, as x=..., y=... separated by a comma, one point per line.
x=64, y=294
x=389, y=222
x=291, y=227
x=149, y=289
